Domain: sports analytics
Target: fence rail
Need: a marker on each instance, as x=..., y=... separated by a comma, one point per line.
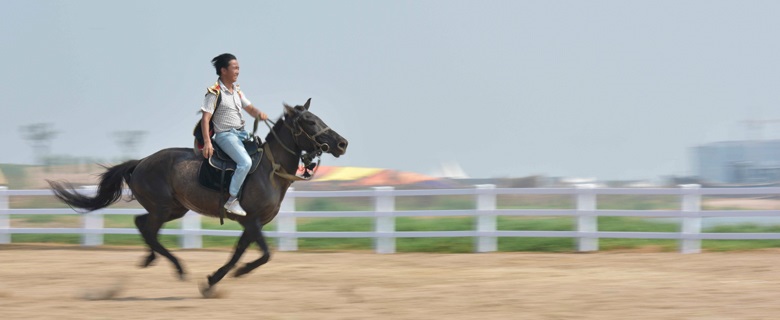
x=384, y=213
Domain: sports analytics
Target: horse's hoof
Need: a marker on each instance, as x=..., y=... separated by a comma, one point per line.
x=207, y=291
x=148, y=261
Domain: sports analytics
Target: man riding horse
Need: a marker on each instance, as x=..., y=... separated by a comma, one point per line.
x=222, y=104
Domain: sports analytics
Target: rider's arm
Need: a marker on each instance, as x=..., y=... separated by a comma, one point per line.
x=248, y=107
x=255, y=112
x=208, y=149
x=207, y=109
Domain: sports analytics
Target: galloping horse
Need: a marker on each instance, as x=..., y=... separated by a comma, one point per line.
x=166, y=185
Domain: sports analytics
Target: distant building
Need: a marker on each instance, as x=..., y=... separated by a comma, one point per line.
x=3, y=181
x=738, y=162
x=450, y=169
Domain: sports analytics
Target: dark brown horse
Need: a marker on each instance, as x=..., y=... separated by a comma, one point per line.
x=166, y=185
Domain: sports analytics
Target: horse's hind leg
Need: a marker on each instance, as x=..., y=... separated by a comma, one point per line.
x=149, y=225
x=140, y=222
x=262, y=260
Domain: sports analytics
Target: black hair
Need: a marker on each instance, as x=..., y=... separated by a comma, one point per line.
x=222, y=61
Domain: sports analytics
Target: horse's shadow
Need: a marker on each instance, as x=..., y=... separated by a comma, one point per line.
x=150, y=299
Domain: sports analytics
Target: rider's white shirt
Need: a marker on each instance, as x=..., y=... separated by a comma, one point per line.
x=228, y=115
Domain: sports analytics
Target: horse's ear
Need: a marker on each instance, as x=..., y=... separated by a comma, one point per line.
x=288, y=110
x=306, y=106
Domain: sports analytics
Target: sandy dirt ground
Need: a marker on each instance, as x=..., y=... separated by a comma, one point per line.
x=65, y=282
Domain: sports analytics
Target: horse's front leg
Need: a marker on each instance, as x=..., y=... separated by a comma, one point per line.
x=249, y=235
x=262, y=260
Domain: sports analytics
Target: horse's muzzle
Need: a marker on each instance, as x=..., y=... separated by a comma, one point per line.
x=341, y=147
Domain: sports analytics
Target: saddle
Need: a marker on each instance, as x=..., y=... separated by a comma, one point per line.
x=216, y=172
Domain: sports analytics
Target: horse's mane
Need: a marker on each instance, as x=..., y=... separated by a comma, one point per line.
x=279, y=123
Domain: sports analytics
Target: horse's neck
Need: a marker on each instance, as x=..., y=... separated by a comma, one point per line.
x=281, y=156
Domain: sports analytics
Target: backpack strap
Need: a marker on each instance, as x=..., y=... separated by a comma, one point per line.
x=215, y=90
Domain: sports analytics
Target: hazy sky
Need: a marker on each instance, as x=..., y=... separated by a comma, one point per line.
x=606, y=89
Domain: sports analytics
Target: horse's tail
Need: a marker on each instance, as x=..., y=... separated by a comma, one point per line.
x=108, y=192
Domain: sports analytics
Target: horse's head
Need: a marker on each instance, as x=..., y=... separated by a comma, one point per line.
x=311, y=133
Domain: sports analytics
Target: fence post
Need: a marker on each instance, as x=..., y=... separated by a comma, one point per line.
x=587, y=221
x=191, y=237
x=486, y=217
x=691, y=220
x=384, y=225
x=91, y=222
x=286, y=223
x=5, y=222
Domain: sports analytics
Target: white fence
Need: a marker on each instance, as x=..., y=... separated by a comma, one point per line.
x=486, y=212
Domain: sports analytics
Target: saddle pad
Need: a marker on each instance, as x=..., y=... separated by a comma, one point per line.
x=210, y=169
x=209, y=177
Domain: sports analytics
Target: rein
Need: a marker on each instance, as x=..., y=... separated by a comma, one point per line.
x=279, y=171
x=270, y=128
x=306, y=158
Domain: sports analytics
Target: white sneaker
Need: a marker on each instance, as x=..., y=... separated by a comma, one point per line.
x=235, y=208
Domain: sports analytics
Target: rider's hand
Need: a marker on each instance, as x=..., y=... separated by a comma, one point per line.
x=261, y=115
x=208, y=150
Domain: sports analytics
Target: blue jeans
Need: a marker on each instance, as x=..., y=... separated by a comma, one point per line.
x=231, y=143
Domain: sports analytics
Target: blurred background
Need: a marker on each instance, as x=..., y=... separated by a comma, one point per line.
x=643, y=92
x=447, y=97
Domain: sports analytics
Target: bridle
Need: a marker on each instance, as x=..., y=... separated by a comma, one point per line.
x=307, y=157
x=297, y=131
